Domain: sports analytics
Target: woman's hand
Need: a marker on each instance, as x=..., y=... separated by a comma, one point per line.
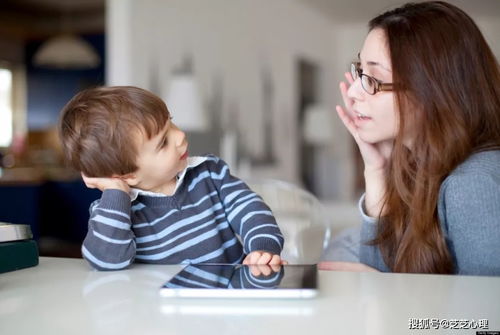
x=374, y=155
x=106, y=183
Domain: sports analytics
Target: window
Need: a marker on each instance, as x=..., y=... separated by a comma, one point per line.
x=6, y=96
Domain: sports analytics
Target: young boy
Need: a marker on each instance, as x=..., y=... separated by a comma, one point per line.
x=158, y=205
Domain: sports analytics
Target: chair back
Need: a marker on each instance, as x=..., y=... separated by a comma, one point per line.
x=300, y=216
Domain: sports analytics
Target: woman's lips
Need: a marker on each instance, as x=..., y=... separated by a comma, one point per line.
x=360, y=119
x=360, y=116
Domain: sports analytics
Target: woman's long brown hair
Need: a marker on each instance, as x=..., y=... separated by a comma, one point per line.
x=448, y=96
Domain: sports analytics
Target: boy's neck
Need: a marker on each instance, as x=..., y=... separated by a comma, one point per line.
x=166, y=189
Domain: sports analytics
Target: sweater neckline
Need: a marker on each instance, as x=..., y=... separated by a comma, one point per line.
x=192, y=162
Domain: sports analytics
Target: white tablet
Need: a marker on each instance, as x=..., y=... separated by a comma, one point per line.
x=243, y=281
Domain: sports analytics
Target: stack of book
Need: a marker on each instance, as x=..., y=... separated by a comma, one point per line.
x=17, y=248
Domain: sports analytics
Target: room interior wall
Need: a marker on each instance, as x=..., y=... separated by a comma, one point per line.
x=236, y=43
x=231, y=45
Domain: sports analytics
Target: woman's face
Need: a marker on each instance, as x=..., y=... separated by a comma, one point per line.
x=376, y=116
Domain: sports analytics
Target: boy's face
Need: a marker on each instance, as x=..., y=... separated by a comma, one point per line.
x=160, y=159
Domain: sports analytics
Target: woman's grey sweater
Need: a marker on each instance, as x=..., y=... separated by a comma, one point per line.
x=469, y=213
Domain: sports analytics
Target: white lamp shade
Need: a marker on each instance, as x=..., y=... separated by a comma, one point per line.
x=184, y=103
x=66, y=52
x=318, y=125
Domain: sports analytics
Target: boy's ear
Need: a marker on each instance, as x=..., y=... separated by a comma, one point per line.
x=130, y=178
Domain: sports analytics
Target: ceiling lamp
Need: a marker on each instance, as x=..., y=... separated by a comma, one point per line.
x=67, y=52
x=184, y=101
x=318, y=125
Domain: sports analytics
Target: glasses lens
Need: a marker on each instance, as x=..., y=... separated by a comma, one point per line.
x=354, y=71
x=368, y=84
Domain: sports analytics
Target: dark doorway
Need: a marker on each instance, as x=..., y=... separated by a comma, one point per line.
x=308, y=87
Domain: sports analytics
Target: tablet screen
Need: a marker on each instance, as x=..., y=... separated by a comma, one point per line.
x=243, y=281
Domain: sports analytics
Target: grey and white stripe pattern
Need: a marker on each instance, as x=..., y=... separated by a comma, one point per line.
x=224, y=276
x=198, y=224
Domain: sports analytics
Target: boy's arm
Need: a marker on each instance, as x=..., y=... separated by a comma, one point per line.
x=110, y=242
x=246, y=212
x=199, y=276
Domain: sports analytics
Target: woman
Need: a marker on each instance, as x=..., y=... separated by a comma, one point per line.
x=423, y=105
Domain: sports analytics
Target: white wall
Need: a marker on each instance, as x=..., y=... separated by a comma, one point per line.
x=231, y=39
x=236, y=40
x=490, y=27
x=346, y=40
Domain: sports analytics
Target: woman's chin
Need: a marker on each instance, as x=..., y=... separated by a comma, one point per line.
x=367, y=138
x=373, y=138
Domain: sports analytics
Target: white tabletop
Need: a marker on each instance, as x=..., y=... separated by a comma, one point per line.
x=64, y=296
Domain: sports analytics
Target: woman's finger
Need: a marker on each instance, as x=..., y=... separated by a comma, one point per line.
x=369, y=152
x=347, y=121
x=348, y=76
x=348, y=102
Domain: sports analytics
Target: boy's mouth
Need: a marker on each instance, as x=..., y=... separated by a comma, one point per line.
x=184, y=156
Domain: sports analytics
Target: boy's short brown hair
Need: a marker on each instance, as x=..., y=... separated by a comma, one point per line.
x=98, y=128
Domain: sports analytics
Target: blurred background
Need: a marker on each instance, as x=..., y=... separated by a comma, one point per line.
x=253, y=81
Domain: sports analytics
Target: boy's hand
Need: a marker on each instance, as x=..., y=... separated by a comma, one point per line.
x=264, y=269
x=263, y=257
x=106, y=183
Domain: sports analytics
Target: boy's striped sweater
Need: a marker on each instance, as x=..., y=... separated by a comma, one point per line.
x=225, y=277
x=202, y=222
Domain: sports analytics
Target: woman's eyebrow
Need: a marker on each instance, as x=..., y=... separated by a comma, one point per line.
x=372, y=63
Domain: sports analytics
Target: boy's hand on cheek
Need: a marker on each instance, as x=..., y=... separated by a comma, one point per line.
x=106, y=183
x=263, y=257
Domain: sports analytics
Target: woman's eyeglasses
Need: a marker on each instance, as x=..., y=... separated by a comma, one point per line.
x=369, y=84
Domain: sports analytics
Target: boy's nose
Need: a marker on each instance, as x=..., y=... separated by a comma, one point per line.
x=181, y=137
